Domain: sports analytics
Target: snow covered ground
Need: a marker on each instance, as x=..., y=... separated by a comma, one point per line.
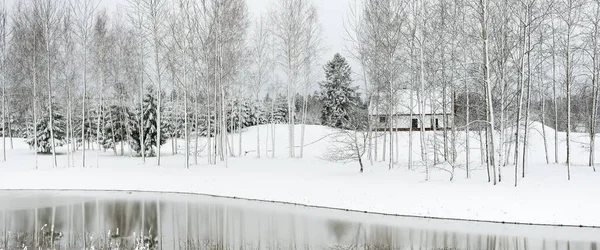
x=543, y=197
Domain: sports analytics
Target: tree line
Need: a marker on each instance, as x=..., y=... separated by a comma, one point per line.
x=499, y=66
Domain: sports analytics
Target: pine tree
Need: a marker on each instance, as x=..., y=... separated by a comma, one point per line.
x=115, y=126
x=173, y=121
x=91, y=121
x=280, y=114
x=43, y=132
x=257, y=114
x=337, y=94
x=150, y=130
x=244, y=112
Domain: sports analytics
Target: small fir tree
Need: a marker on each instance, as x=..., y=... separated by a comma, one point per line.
x=149, y=130
x=91, y=121
x=242, y=112
x=337, y=94
x=174, y=120
x=115, y=126
x=280, y=114
x=44, y=142
x=257, y=113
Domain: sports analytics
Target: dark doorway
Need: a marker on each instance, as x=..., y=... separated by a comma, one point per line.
x=415, y=123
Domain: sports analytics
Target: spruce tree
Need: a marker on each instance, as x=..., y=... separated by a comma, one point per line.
x=337, y=94
x=43, y=132
x=91, y=121
x=149, y=127
x=173, y=121
x=280, y=114
x=257, y=113
x=115, y=126
x=243, y=113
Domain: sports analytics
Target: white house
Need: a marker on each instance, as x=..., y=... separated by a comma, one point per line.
x=405, y=120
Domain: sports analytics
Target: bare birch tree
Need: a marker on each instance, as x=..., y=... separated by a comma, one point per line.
x=50, y=17
x=484, y=19
x=593, y=52
x=290, y=19
x=83, y=13
x=260, y=66
x=3, y=37
x=155, y=12
x=570, y=15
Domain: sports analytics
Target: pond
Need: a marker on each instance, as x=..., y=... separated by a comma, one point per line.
x=130, y=220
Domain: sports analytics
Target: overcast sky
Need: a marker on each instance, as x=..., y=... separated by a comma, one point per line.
x=331, y=15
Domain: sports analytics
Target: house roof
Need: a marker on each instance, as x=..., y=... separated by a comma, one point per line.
x=402, y=103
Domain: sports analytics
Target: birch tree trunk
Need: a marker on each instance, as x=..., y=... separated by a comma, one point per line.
x=141, y=129
x=488, y=85
x=554, y=90
x=467, y=121
x=595, y=72
x=4, y=71
x=185, y=93
x=391, y=122
x=570, y=23
x=35, y=130
x=240, y=128
x=528, y=98
x=84, y=11
x=100, y=111
x=424, y=156
x=209, y=128
x=520, y=102
x=272, y=128
x=542, y=88
x=411, y=105
x=158, y=90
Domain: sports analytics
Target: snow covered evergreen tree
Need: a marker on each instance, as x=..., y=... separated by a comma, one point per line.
x=257, y=113
x=91, y=121
x=280, y=112
x=43, y=132
x=115, y=126
x=149, y=127
x=240, y=112
x=174, y=121
x=338, y=96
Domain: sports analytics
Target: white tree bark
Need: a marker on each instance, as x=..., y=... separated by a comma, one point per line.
x=84, y=15
x=422, y=39
x=3, y=18
x=488, y=85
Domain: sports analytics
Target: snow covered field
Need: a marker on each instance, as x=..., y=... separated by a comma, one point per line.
x=543, y=197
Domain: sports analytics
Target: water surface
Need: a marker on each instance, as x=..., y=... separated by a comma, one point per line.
x=125, y=220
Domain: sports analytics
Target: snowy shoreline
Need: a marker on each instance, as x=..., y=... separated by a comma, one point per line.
x=311, y=206
x=544, y=197
x=504, y=204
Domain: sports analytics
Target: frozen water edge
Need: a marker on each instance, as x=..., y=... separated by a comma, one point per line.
x=543, y=232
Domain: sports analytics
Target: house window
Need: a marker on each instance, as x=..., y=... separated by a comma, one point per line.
x=415, y=123
x=383, y=119
x=437, y=123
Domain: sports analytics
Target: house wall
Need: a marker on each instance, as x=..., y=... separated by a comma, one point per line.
x=402, y=122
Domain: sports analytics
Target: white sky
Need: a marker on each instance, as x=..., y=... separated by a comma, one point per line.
x=331, y=14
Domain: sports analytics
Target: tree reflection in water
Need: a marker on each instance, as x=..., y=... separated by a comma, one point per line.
x=138, y=223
